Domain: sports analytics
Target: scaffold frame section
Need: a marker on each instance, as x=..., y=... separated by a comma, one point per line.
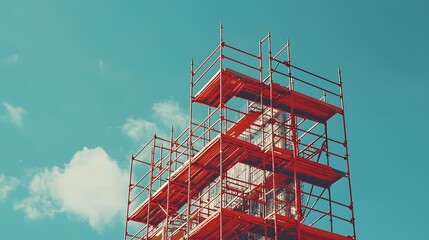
x=268, y=161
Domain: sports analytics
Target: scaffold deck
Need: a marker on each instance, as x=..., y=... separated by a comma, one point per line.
x=204, y=170
x=235, y=84
x=236, y=223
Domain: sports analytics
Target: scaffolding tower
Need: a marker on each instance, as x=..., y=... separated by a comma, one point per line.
x=265, y=156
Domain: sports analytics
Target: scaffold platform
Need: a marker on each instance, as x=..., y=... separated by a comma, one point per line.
x=205, y=169
x=236, y=223
x=235, y=84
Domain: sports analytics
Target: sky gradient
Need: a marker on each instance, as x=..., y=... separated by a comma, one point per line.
x=84, y=83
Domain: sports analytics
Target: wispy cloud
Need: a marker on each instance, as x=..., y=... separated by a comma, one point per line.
x=168, y=113
x=7, y=184
x=14, y=114
x=13, y=58
x=139, y=129
x=42, y=201
x=90, y=187
x=101, y=65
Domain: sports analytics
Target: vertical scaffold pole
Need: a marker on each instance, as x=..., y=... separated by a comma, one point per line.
x=191, y=99
x=346, y=157
x=328, y=164
x=129, y=195
x=170, y=159
x=276, y=232
x=326, y=146
x=261, y=79
x=152, y=156
x=221, y=132
x=297, y=183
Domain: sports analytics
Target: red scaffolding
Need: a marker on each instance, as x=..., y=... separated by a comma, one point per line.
x=268, y=161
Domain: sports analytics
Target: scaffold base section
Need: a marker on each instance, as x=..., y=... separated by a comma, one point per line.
x=235, y=223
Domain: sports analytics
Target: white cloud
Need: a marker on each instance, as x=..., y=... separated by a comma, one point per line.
x=14, y=114
x=166, y=112
x=7, y=184
x=139, y=129
x=91, y=187
x=170, y=113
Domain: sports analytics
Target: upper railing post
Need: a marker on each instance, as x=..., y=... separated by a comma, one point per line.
x=191, y=99
x=346, y=157
x=221, y=174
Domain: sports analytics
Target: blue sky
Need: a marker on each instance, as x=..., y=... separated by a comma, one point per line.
x=83, y=83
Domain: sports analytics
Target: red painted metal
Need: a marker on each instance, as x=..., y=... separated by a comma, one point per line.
x=236, y=223
x=242, y=86
x=269, y=172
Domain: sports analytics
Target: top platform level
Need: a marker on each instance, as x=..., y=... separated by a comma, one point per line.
x=235, y=84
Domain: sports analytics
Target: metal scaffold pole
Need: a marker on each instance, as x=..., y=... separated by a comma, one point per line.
x=294, y=128
x=170, y=159
x=272, y=144
x=221, y=192
x=152, y=156
x=190, y=153
x=346, y=157
x=262, y=109
x=128, y=198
